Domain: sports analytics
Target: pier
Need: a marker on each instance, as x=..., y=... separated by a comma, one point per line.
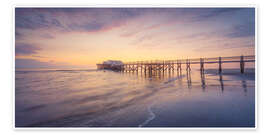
x=179, y=65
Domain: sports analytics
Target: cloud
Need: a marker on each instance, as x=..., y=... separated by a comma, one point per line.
x=103, y=19
x=38, y=56
x=225, y=44
x=31, y=22
x=242, y=30
x=72, y=19
x=46, y=36
x=18, y=35
x=97, y=18
x=26, y=49
x=207, y=13
x=31, y=18
x=33, y=63
x=91, y=26
x=143, y=28
x=140, y=39
x=47, y=22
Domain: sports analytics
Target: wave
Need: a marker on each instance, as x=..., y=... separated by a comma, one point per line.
x=150, y=118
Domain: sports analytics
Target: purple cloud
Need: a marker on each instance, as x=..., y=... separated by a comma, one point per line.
x=26, y=49
x=242, y=30
x=32, y=63
x=46, y=36
x=98, y=19
x=18, y=35
x=207, y=13
x=91, y=26
x=72, y=19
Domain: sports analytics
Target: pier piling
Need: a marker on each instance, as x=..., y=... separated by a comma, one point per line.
x=242, y=64
x=219, y=67
x=202, y=65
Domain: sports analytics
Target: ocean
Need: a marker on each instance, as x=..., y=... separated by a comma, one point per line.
x=102, y=98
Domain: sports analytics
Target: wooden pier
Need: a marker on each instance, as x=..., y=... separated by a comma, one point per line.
x=176, y=65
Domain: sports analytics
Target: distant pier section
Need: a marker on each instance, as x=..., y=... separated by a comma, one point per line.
x=174, y=65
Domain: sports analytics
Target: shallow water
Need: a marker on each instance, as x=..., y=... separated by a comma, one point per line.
x=92, y=98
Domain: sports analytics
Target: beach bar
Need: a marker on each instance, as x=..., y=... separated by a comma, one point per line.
x=115, y=65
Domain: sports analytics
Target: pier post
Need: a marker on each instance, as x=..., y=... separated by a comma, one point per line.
x=141, y=66
x=202, y=65
x=173, y=66
x=166, y=66
x=128, y=67
x=145, y=67
x=242, y=64
x=150, y=69
x=134, y=67
x=180, y=64
x=177, y=63
x=169, y=66
x=219, y=63
x=137, y=66
x=163, y=66
x=188, y=65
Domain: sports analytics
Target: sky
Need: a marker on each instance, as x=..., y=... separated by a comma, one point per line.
x=82, y=37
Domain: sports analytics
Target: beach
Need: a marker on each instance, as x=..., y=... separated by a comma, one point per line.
x=103, y=98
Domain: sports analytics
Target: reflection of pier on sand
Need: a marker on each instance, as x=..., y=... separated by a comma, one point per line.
x=185, y=79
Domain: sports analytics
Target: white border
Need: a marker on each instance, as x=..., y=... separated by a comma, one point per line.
x=134, y=128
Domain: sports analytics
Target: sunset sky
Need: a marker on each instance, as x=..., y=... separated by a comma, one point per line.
x=82, y=37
